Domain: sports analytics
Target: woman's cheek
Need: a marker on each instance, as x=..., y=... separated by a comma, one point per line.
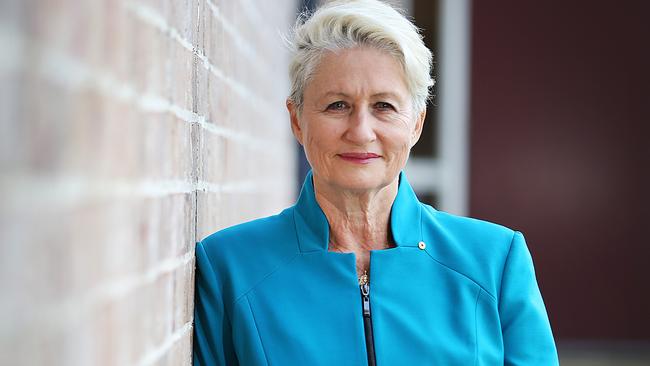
x=404, y=150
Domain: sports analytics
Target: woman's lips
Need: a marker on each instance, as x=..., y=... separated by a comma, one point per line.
x=359, y=158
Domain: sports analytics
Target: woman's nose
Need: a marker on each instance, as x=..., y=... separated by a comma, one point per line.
x=360, y=127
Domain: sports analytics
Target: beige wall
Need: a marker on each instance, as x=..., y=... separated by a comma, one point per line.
x=128, y=131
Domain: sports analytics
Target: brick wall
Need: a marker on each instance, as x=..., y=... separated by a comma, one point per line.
x=128, y=131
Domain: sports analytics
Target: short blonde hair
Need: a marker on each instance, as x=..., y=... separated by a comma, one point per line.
x=338, y=25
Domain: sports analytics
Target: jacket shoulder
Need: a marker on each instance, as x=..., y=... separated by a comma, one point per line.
x=243, y=254
x=475, y=248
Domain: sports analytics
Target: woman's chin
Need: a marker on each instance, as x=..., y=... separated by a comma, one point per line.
x=361, y=180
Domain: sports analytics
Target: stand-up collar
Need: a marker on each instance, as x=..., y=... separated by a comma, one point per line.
x=313, y=228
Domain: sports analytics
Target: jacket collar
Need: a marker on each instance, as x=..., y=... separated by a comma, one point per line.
x=312, y=226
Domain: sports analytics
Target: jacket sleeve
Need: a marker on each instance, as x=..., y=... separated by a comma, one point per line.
x=527, y=335
x=212, y=329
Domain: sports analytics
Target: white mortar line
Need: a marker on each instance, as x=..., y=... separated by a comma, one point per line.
x=239, y=187
x=241, y=43
x=153, y=103
x=75, y=75
x=256, y=17
x=162, y=350
x=59, y=313
x=118, y=288
x=150, y=16
x=24, y=192
x=253, y=13
x=75, y=188
x=153, y=18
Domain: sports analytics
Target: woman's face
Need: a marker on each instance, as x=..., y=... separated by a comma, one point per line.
x=357, y=124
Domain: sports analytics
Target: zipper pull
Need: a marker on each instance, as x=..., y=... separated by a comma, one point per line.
x=364, y=285
x=365, y=292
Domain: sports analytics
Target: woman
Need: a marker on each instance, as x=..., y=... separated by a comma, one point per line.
x=358, y=271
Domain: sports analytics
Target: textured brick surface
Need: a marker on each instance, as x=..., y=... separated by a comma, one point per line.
x=129, y=130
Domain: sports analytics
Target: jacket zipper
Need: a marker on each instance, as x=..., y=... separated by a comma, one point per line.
x=364, y=286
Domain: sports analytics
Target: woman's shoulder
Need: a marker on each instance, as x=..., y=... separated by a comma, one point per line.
x=273, y=235
x=475, y=248
x=468, y=227
x=252, y=231
x=241, y=255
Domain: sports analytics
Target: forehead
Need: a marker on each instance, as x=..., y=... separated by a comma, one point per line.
x=362, y=71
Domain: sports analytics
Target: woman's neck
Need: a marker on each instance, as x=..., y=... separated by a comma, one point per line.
x=359, y=221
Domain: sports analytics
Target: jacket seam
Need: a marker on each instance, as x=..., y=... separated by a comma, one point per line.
x=478, y=296
x=505, y=265
x=257, y=328
x=462, y=274
x=297, y=254
x=238, y=298
x=444, y=265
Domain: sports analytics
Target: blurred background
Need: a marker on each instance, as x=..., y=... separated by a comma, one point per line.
x=540, y=122
x=131, y=129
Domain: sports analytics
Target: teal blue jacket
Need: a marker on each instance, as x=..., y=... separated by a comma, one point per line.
x=268, y=292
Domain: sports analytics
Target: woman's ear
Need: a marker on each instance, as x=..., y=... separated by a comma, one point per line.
x=295, y=122
x=417, y=130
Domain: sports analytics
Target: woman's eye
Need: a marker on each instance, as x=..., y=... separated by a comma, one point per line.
x=337, y=106
x=384, y=106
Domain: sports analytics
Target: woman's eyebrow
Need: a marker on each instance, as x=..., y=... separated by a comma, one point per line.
x=376, y=95
x=335, y=94
x=387, y=95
